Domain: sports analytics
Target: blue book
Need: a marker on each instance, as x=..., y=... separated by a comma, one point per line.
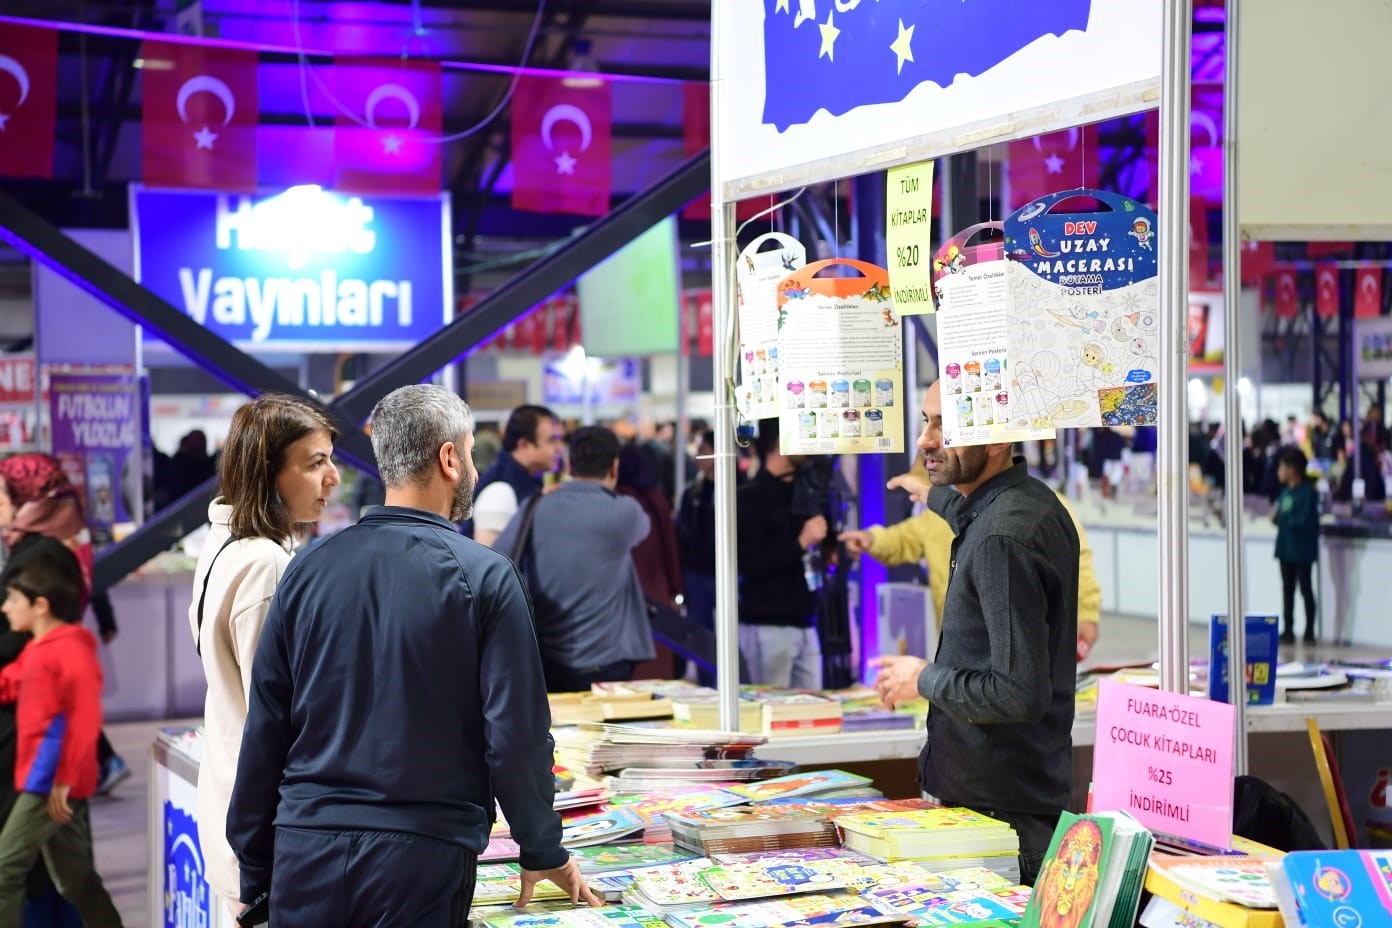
x=1263, y=642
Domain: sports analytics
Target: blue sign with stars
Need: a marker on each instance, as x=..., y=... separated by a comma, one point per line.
x=187, y=897
x=869, y=48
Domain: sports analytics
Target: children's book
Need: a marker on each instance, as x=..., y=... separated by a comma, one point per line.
x=800, y=784
x=1262, y=645
x=500, y=850
x=1341, y=888
x=1094, y=865
x=603, y=858
x=497, y=884
x=609, y=916
x=792, y=912
x=601, y=828
x=653, y=808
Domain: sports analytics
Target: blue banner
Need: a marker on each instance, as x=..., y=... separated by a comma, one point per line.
x=303, y=270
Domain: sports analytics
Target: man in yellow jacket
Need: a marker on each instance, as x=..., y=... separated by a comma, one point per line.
x=928, y=537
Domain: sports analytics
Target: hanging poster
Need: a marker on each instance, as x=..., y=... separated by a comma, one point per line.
x=842, y=355
x=756, y=281
x=96, y=434
x=972, y=283
x=908, y=221
x=1374, y=347
x=1083, y=324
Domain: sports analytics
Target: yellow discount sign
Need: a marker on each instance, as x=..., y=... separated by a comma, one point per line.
x=908, y=219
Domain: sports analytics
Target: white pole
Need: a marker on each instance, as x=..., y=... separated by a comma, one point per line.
x=1172, y=471
x=723, y=247
x=1232, y=373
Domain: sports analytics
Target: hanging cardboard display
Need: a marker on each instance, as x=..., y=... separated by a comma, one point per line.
x=841, y=351
x=756, y=285
x=1083, y=324
x=972, y=285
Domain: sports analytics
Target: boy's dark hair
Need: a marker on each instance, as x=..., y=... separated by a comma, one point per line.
x=522, y=423
x=42, y=576
x=593, y=451
x=1295, y=459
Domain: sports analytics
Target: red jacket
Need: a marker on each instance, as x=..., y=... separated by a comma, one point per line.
x=57, y=683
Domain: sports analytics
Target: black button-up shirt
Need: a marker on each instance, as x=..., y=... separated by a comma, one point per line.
x=1001, y=689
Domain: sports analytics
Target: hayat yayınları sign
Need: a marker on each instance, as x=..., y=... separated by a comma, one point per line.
x=302, y=270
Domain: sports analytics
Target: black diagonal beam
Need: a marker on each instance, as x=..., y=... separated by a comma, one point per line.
x=540, y=280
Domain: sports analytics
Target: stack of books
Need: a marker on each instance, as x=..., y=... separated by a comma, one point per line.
x=746, y=829
x=500, y=884
x=937, y=839
x=954, y=897
x=601, y=748
x=654, y=810
x=709, y=773
x=1232, y=892
x=793, y=713
x=1093, y=871
x=607, y=827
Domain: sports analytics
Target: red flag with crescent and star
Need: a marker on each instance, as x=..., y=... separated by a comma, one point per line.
x=1049, y=163
x=1367, y=298
x=1327, y=290
x=387, y=132
x=198, y=124
x=28, y=100
x=561, y=145
x=1287, y=305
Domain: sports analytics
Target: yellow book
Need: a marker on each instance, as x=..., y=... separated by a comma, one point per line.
x=1222, y=914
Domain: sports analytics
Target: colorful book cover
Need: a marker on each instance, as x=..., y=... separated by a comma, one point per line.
x=502, y=883
x=653, y=808
x=1262, y=643
x=675, y=885
x=792, y=912
x=1066, y=891
x=600, y=828
x=799, y=784
x=500, y=849
x=609, y=916
x=763, y=881
x=1238, y=880
x=1342, y=888
x=798, y=855
x=876, y=824
x=606, y=857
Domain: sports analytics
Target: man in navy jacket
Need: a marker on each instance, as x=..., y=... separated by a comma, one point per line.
x=396, y=692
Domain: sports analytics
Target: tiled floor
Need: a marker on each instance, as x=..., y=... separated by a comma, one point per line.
x=118, y=821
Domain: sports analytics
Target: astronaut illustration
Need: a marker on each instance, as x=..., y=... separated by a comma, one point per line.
x=1094, y=368
x=1142, y=233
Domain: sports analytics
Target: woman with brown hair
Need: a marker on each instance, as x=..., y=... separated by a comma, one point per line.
x=275, y=478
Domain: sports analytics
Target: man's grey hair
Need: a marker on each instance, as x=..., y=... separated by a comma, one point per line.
x=410, y=424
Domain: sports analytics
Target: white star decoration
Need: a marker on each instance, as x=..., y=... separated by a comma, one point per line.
x=391, y=145
x=781, y=7
x=1053, y=164
x=1195, y=165
x=565, y=164
x=4, y=118
x=901, y=47
x=205, y=138
x=829, y=34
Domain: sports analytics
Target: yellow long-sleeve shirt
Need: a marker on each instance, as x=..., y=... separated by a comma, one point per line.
x=928, y=537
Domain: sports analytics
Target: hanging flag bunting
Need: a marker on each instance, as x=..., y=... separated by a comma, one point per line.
x=1048, y=163
x=1287, y=295
x=1327, y=291
x=199, y=117
x=561, y=145
x=386, y=137
x=1319, y=250
x=28, y=100
x=1367, y=297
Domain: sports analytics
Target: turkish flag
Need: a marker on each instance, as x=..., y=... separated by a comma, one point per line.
x=1206, y=145
x=562, y=139
x=28, y=100
x=562, y=311
x=388, y=140
x=1327, y=291
x=1257, y=259
x=705, y=323
x=696, y=136
x=1367, y=296
x=1053, y=162
x=1287, y=295
x=1200, y=271
x=199, y=117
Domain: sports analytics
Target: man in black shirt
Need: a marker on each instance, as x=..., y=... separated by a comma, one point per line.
x=778, y=639
x=1001, y=687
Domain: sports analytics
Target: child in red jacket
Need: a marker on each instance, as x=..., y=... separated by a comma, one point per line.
x=56, y=683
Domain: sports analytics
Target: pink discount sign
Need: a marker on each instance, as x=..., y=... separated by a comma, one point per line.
x=1166, y=759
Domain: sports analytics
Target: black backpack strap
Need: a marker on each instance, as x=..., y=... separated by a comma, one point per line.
x=522, y=545
x=198, y=641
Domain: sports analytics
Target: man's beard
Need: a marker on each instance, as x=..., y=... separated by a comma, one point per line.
x=463, y=505
x=966, y=466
